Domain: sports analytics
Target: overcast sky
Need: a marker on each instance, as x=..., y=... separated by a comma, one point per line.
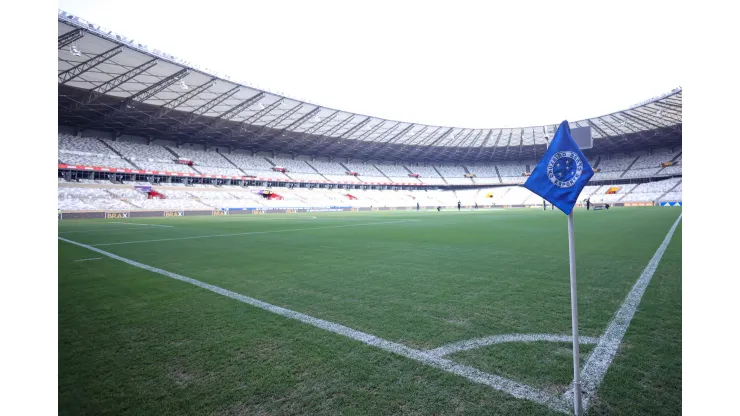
x=452, y=63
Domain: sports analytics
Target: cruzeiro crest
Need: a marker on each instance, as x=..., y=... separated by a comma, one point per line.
x=564, y=169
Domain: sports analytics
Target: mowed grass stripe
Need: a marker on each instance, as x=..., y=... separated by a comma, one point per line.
x=134, y=343
x=424, y=284
x=377, y=223
x=516, y=389
x=432, y=282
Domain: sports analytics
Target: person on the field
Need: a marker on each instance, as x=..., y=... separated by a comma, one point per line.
x=588, y=204
x=476, y=204
x=417, y=206
x=439, y=208
x=458, y=205
x=544, y=205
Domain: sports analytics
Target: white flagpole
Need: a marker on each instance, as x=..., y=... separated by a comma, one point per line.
x=577, y=398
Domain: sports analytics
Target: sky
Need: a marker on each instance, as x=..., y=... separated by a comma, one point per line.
x=471, y=64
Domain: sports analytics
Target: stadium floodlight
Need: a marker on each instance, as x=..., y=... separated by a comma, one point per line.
x=183, y=85
x=74, y=51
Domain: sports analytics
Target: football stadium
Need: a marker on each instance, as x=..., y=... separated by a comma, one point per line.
x=226, y=250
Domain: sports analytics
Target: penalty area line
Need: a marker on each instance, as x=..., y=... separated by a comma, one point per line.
x=514, y=388
x=252, y=233
x=142, y=225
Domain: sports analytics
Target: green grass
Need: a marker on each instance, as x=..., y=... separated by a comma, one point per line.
x=135, y=342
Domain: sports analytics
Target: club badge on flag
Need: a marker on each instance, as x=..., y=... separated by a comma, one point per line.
x=562, y=172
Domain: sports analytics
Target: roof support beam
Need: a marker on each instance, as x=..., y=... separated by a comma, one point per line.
x=483, y=146
x=675, y=109
x=303, y=119
x=521, y=143
x=301, y=142
x=431, y=146
x=142, y=96
x=381, y=138
x=328, y=135
x=647, y=124
x=316, y=127
x=459, y=149
x=374, y=150
x=656, y=119
x=237, y=109
x=629, y=127
x=109, y=85
x=603, y=134
x=156, y=88
x=347, y=134
x=91, y=63
x=508, y=146
x=227, y=115
x=359, y=142
x=495, y=147
x=244, y=125
x=70, y=37
x=408, y=143
x=472, y=142
x=174, y=103
x=603, y=120
x=367, y=133
x=198, y=112
x=282, y=117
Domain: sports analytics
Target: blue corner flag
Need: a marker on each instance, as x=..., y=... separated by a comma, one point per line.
x=562, y=172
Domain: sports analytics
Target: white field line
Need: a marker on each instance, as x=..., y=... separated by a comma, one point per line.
x=501, y=339
x=98, y=230
x=516, y=389
x=601, y=357
x=253, y=232
x=91, y=258
x=141, y=225
x=262, y=217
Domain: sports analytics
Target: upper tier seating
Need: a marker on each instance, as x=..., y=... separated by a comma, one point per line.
x=328, y=168
x=366, y=170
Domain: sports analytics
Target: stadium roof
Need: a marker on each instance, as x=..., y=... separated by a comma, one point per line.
x=112, y=83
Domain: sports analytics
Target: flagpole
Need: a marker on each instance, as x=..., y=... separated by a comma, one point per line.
x=577, y=398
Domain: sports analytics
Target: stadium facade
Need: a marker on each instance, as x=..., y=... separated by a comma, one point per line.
x=131, y=114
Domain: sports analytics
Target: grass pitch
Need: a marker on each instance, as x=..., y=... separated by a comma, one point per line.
x=135, y=342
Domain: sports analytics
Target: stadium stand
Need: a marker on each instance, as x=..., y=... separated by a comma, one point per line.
x=208, y=163
x=620, y=191
x=366, y=170
x=454, y=175
x=512, y=173
x=650, y=191
x=396, y=173
x=612, y=168
x=88, y=151
x=484, y=174
x=297, y=169
x=254, y=165
x=333, y=171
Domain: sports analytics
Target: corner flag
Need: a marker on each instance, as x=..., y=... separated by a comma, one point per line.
x=559, y=178
x=562, y=172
